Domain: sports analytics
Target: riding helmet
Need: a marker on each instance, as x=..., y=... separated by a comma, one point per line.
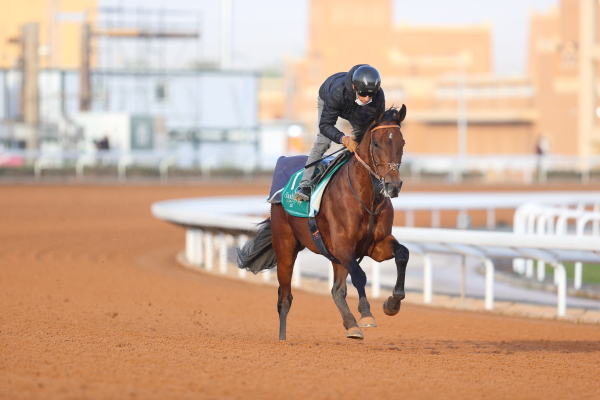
x=366, y=81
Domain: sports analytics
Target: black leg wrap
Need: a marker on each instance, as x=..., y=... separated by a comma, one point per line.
x=392, y=305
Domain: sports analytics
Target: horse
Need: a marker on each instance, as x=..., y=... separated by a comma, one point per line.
x=349, y=228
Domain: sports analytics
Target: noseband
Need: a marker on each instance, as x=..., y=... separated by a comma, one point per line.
x=393, y=166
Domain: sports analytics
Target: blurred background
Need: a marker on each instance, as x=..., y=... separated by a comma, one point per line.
x=496, y=91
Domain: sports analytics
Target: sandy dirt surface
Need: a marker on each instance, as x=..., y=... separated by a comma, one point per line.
x=94, y=305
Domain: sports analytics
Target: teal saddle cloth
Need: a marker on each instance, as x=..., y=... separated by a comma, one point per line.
x=287, y=177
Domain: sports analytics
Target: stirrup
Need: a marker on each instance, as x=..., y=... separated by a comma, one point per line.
x=302, y=194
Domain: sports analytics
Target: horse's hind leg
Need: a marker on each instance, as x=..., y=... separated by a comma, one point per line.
x=286, y=248
x=366, y=318
x=364, y=308
x=338, y=292
x=285, y=268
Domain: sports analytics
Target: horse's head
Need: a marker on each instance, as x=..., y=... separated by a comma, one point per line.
x=382, y=146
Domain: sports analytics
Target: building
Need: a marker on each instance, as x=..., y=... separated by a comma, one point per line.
x=456, y=105
x=563, y=70
x=59, y=28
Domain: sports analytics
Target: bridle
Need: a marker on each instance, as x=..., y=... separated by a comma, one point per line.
x=393, y=166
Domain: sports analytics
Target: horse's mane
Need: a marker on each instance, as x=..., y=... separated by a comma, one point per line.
x=371, y=117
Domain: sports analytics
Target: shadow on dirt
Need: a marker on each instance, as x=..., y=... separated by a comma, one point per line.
x=562, y=346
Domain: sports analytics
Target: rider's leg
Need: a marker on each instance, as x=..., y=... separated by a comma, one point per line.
x=319, y=148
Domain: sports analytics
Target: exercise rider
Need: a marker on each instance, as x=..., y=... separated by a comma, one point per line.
x=353, y=96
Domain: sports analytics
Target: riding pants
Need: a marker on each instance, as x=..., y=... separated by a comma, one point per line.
x=321, y=145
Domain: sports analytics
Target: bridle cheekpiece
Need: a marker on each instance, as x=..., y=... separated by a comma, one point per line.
x=393, y=166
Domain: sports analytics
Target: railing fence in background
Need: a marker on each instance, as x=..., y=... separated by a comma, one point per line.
x=491, y=168
x=485, y=246
x=544, y=220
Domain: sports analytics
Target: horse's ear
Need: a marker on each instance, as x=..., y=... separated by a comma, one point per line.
x=379, y=111
x=402, y=114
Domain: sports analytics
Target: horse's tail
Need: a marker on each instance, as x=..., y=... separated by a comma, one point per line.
x=258, y=254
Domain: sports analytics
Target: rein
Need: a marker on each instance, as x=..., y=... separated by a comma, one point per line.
x=376, y=204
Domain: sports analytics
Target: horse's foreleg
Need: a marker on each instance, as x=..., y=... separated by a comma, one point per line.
x=386, y=249
x=338, y=292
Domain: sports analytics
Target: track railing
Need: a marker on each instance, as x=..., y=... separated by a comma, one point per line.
x=501, y=167
x=543, y=220
x=208, y=218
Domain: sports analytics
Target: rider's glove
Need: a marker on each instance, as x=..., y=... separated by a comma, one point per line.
x=350, y=143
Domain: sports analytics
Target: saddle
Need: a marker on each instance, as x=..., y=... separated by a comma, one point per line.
x=327, y=165
x=287, y=176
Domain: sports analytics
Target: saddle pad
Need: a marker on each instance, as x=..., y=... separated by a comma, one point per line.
x=302, y=208
x=284, y=169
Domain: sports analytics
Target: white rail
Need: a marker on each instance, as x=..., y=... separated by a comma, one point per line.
x=496, y=168
x=543, y=220
x=215, y=216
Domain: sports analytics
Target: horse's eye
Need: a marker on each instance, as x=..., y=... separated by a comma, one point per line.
x=375, y=144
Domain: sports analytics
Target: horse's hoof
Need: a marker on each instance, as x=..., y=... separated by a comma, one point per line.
x=391, y=306
x=367, y=322
x=354, y=333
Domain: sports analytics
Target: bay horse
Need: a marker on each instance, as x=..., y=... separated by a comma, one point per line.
x=355, y=202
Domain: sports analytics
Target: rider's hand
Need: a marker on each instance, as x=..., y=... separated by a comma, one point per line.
x=350, y=143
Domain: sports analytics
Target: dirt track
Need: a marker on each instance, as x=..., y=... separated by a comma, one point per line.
x=94, y=305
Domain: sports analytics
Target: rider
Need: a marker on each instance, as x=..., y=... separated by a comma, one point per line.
x=351, y=96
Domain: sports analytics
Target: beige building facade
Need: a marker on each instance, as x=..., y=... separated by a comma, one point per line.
x=445, y=75
x=59, y=26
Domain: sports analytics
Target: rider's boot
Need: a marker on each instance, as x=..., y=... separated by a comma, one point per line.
x=303, y=193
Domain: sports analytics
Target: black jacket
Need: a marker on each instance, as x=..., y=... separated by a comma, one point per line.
x=340, y=101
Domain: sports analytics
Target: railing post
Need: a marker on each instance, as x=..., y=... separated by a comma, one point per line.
x=189, y=246
x=463, y=278
x=330, y=277
x=193, y=246
x=242, y=239
x=82, y=161
x=435, y=218
x=223, y=253
x=297, y=274
x=376, y=280
x=209, y=254
x=561, y=278
x=529, y=268
x=578, y=274
x=38, y=165
x=489, y=284
x=491, y=218
x=266, y=275
x=163, y=167
x=596, y=223
x=123, y=163
x=427, y=279
x=541, y=270
x=409, y=218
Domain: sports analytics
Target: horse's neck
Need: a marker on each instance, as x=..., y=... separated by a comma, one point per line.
x=360, y=179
